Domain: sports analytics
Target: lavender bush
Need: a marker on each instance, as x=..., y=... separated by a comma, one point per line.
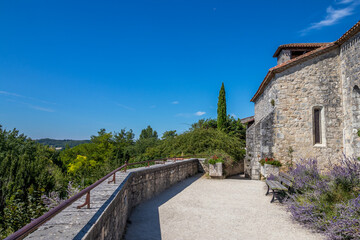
x=271, y=177
x=306, y=174
x=328, y=202
x=347, y=173
x=346, y=223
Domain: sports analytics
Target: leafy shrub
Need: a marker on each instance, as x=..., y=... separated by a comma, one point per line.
x=203, y=142
x=27, y=170
x=270, y=161
x=214, y=159
x=18, y=212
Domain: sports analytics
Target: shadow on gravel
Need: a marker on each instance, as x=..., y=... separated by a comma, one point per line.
x=144, y=222
x=239, y=176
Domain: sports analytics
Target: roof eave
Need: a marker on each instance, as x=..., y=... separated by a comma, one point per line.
x=323, y=49
x=290, y=63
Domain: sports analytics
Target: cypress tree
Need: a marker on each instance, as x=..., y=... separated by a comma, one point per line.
x=221, y=110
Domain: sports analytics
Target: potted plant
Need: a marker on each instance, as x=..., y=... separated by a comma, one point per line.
x=269, y=166
x=215, y=166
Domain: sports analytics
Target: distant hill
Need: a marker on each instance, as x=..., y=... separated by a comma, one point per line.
x=61, y=143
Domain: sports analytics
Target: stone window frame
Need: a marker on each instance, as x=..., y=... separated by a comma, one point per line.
x=322, y=125
x=354, y=98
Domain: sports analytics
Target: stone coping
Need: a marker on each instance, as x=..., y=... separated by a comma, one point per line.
x=73, y=223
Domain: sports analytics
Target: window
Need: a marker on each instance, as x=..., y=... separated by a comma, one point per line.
x=317, y=126
x=319, y=129
x=356, y=107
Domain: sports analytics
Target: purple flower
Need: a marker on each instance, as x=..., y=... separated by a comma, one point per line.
x=318, y=203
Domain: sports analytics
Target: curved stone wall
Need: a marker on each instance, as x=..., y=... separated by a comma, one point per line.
x=111, y=204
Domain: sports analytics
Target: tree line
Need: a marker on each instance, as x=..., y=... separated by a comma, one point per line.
x=61, y=143
x=34, y=176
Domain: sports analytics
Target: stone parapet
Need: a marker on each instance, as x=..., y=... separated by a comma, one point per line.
x=111, y=204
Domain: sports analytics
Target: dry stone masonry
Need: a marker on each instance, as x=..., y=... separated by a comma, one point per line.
x=308, y=106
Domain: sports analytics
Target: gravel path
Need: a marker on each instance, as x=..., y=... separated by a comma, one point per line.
x=200, y=208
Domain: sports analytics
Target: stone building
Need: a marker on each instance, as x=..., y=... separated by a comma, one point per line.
x=308, y=106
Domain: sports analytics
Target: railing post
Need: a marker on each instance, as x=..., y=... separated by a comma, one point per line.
x=126, y=163
x=148, y=164
x=113, y=180
x=87, y=201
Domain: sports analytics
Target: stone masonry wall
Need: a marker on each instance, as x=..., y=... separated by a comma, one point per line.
x=111, y=203
x=284, y=55
x=288, y=123
x=263, y=105
x=259, y=144
x=314, y=83
x=350, y=76
x=250, y=148
x=140, y=186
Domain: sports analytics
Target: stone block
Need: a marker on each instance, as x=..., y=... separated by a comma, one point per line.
x=216, y=170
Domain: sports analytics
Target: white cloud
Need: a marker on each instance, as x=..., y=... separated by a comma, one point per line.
x=333, y=15
x=40, y=108
x=233, y=115
x=175, y=102
x=125, y=107
x=345, y=1
x=190, y=115
x=10, y=94
x=31, y=106
x=199, y=113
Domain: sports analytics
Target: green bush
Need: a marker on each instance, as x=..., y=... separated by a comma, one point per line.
x=270, y=161
x=199, y=142
x=27, y=169
x=215, y=159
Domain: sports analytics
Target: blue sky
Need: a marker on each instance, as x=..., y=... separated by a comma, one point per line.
x=69, y=68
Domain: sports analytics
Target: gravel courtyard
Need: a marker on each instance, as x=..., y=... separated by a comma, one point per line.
x=200, y=208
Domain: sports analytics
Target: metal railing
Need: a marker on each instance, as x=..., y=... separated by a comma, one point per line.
x=36, y=223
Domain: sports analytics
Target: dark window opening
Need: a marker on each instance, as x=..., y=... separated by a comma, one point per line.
x=317, y=124
x=295, y=54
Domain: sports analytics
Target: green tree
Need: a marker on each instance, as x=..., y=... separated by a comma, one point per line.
x=169, y=134
x=124, y=140
x=27, y=169
x=201, y=142
x=204, y=123
x=81, y=167
x=221, y=110
x=148, y=133
x=233, y=127
x=108, y=150
x=148, y=138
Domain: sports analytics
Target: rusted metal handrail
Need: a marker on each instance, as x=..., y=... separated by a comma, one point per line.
x=33, y=225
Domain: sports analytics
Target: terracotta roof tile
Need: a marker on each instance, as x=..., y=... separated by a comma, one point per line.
x=325, y=47
x=297, y=45
x=351, y=32
x=247, y=119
